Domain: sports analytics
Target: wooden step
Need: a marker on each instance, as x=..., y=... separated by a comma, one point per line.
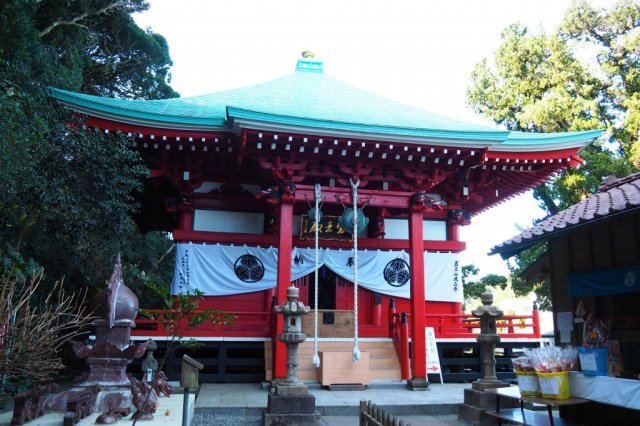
x=384, y=362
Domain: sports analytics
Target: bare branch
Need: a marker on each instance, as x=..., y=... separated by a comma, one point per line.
x=31, y=337
x=76, y=21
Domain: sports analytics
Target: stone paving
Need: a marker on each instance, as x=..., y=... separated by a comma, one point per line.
x=241, y=404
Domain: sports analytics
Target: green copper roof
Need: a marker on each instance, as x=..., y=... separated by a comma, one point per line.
x=307, y=98
x=521, y=140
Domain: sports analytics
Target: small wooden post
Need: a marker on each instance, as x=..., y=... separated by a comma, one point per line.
x=536, y=320
x=188, y=379
x=404, y=348
x=392, y=313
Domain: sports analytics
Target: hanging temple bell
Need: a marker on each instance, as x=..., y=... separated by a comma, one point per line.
x=346, y=221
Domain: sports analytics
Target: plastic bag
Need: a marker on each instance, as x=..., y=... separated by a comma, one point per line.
x=552, y=359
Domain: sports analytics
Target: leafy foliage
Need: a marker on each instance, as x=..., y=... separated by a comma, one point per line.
x=112, y=55
x=68, y=193
x=181, y=312
x=584, y=76
x=538, y=83
x=473, y=289
x=521, y=287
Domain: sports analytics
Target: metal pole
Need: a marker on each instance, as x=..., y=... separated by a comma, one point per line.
x=185, y=408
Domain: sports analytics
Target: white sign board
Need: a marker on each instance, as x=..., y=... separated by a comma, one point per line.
x=433, y=359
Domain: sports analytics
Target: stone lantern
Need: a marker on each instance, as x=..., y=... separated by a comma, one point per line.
x=291, y=404
x=488, y=339
x=292, y=311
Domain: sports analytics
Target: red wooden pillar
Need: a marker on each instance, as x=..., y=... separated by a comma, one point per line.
x=418, y=336
x=185, y=215
x=536, y=321
x=285, y=245
x=376, y=308
x=453, y=233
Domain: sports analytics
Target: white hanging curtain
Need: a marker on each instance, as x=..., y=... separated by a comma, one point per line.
x=443, y=277
x=220, y=270
x=371, y=267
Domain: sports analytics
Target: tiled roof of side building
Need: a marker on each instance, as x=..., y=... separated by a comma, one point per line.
x=613, y=196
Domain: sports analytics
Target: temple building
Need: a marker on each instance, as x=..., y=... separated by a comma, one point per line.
x=235, y=176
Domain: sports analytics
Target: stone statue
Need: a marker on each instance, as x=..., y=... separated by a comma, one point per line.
x=109, y=416
x=106, y=386
x=116, y=307
x=144, y=399
x=161, y=385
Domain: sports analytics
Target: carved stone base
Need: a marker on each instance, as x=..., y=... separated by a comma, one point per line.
x=119, y=397
x=484, y=384
x=298, y=389
x=477, y=403
x=300, y=404
x=76, y=403
x=290, y=409
x=417, y=384
x=107, y=372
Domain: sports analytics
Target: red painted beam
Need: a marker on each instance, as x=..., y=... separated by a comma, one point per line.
x=566, y=155
x=157, y=132
x=385, y=244
x=180, y=235
x=374, y=198
x=225, y=238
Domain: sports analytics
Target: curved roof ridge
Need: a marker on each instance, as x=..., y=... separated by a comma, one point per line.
x=316, y=102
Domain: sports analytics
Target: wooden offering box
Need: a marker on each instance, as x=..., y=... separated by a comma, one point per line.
x=336, y=368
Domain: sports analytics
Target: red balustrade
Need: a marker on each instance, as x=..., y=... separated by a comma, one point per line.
x=458, y=326
x=246, y=324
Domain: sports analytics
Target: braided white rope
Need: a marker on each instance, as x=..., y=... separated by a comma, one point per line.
x=355, y=356
x=316, y=358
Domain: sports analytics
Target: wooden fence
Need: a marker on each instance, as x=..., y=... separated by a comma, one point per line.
x=372, y=415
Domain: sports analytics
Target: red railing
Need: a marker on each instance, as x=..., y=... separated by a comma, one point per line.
x=465, y=325
x=457, y=326
x=399, y=332
x=246, y=324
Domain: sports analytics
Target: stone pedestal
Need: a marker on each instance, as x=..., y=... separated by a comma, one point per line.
x=107, y=372
x=291, y=405
x=477, y=403
x=417, y=384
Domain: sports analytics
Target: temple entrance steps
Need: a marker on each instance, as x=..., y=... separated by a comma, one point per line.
x=383, y=359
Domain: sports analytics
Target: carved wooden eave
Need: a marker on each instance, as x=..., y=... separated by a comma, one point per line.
x=308, y=127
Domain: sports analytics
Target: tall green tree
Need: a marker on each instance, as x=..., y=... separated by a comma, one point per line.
x=473, y=288
x=583, y=76
x=111, y=54
x=68, y=193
